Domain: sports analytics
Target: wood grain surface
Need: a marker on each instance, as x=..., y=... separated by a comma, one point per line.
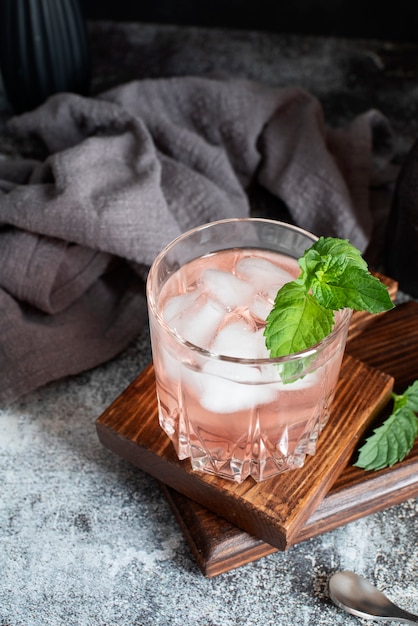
x=390, y=343
x=276, y=509
x=221, y=539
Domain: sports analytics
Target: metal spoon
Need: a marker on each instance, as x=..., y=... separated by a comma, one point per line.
x=356, y=595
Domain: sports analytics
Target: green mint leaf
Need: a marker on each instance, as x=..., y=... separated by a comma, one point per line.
x=332, y=255
x=391, y=442
x=333, y=276
x=394, y=439
x=296, y=322
x=340, y=249
x=354, y=288
x=411, y=395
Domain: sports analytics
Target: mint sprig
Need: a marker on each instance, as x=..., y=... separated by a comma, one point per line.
x=393, y=440
x=333, y=276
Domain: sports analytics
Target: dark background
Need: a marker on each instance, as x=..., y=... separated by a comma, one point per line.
x=396, y=20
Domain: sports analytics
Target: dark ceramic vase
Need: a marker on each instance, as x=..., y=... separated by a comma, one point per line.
x=401, y=262
x=43, y=50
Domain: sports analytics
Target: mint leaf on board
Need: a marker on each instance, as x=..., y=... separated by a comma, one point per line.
x=391, y=442
x=410, y=396
x=333, y=276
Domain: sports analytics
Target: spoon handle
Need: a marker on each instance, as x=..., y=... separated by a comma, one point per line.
x=405, y=617
x=358, y=596
x=393, y=611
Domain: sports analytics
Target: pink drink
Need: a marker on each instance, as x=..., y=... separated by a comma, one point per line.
x=222, y=401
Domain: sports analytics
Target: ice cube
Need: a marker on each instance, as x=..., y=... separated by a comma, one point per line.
x=282, y=383
x=260, y=340
x=170, y=364
x=237, y=339
x=260, y=307
x=177, y=304
x=304, y=382
x=226, y=288
x=199, y=322
x=261, y=273
x=271, y=292
x=227, y=387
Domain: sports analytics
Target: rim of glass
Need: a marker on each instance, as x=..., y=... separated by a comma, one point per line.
x=339, y=325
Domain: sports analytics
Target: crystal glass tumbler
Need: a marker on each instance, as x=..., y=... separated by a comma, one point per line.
x=222, y=400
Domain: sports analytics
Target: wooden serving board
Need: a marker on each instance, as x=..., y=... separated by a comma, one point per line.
x=391, y=343
x=220, y=545
x=274, y=510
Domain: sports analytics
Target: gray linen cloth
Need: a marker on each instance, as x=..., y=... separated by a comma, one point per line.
x=128, y=171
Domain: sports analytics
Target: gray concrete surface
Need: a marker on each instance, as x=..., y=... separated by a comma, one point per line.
x=86, y=539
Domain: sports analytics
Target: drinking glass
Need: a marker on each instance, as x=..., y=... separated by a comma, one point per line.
x=223, y=402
